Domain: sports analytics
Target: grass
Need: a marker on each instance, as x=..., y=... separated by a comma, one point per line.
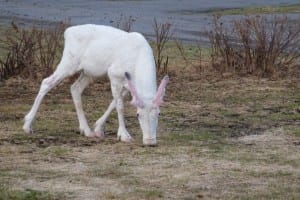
x=150, y=194
x=251, y=10
x=28, y=194
x=231, y=140
x=235, y=138
x=56, y=151
x=294, y=130
x=258, y=10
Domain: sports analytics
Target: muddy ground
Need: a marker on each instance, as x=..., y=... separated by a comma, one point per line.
x=233, y=138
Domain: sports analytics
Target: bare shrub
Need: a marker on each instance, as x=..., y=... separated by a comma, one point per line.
x=125, y=23
x=255, y=45
x=20, y=48
x=162, y=33
x=30, y=50
x=49, y=46
x=196, y=59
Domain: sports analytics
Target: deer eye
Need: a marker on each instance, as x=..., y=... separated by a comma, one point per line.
x=137, y=115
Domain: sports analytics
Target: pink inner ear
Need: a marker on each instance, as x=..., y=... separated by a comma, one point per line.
x=136, y=101
x=158, y=100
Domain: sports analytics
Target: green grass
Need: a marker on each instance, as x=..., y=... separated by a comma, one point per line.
x=201, y=151
x=191, y=53
x=282, y=9
x=3, y=173
x=28, y=194
x=113, y=171
x=293, y=130
x=3, y=28
x=152, y=194
x=148, y=194
x=195, y=145
x=56, y=151
x=258, y=10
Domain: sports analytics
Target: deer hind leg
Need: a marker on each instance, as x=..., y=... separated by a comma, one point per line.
x=76, y=90
x=47, y=84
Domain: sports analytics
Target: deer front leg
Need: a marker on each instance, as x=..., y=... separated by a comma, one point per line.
x=123, y=134
x=99, y=125
x=117, y=92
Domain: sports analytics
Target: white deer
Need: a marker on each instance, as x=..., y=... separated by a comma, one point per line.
x=127, y=59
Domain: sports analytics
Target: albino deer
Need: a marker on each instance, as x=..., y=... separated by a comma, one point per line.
x=127, y=59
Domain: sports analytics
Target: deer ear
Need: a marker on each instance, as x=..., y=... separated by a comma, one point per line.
x=158, y=99
x=136, y=101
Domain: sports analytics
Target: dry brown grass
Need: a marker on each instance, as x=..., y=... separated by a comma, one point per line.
x=163, y=33
x=234, y=138
x=30, y=51
x=260, y=45
x=218, y=139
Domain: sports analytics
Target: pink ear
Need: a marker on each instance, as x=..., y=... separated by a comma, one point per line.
x=136, y=101
x=158, y=99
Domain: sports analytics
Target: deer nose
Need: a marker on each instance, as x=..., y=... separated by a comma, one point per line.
x=150, y=142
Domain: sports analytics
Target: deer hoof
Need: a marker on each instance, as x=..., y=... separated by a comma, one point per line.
x=28, y=130
x=126, y=139
x=99, y=134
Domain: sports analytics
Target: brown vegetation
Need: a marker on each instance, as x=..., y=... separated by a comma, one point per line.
x=124, y=23
x=263, y=46
x=30, y=51
x=258, y=46
x=162, y=33
x=218, y=139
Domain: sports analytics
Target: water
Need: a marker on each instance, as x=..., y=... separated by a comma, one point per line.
x=186, y=26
